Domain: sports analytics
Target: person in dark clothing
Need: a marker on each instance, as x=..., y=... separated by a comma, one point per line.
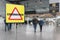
x=34, y=21
x=25, y=22
x=6, y=25
x=41, y=22
x=9, y=26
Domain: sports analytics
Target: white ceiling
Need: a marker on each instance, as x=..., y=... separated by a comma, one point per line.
x=54, y=1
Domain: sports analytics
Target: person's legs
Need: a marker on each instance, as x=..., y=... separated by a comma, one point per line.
x=40, y=28
x=5, y=26
x=10, y=26
x=35, y=28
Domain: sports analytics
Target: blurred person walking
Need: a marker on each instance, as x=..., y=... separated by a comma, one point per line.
x=41, y=22
x=7, y=25
x=34, y=21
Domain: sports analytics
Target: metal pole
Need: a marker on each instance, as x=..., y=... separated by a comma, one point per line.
x=16, y=31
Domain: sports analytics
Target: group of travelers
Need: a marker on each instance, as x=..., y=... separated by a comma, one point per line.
x=35, y=21
x=7, y=26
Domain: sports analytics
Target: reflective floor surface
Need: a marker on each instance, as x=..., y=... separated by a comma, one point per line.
x=26, y=32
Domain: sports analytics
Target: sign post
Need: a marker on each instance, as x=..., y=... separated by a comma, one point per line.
x=16, y=31
x=14, y=14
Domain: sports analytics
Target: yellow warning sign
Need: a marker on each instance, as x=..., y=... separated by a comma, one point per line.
x=14, y=13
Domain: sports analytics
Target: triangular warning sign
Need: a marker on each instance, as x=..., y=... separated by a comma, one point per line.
x=15, y=15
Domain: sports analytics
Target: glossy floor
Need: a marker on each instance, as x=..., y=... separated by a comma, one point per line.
x=26, y=32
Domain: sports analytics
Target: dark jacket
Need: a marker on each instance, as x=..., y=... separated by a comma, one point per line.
x=41, y=22
x=5, y=22
x=34, y=21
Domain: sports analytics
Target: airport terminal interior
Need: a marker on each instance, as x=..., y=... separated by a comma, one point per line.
x=46, y=10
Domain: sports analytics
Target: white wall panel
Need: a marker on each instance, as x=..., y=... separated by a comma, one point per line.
x=2, y=8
